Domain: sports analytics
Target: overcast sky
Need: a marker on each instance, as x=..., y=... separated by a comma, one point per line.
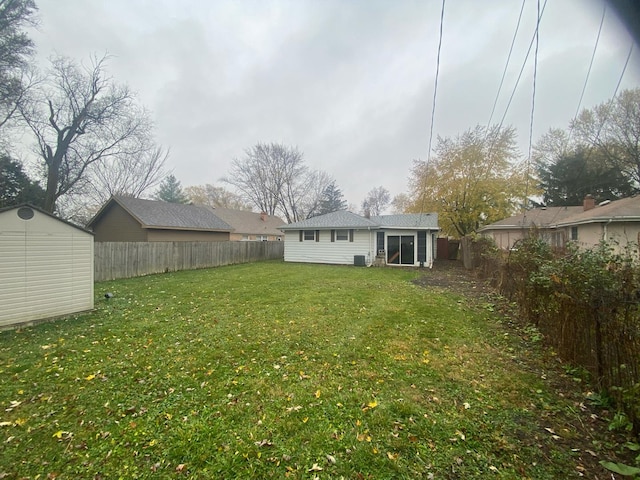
x=350, y=83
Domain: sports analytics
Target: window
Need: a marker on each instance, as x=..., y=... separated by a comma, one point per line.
x=574, y=233
x=342, y=235
x=309, y=235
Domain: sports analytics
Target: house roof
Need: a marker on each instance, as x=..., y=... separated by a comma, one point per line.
x=28, y=205
x=246, y=222
x=624, y=210
x=540, y=217
x=165, y=215
x=408, y=220
x=345, y=219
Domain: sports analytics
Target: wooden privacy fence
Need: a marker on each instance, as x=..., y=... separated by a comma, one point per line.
x=115, y=260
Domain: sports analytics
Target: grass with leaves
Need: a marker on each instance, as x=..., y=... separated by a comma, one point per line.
x=276, y=370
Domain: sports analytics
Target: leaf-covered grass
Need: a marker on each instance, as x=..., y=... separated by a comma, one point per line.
x=274, y=370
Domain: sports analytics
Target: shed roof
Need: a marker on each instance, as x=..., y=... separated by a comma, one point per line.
x=165, y=215
x=247, y=222
x=28, y=205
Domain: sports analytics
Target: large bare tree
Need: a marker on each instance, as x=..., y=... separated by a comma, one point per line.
x=80, y=117
x=274, y=178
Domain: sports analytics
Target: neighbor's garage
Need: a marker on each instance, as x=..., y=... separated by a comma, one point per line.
x=46, y=266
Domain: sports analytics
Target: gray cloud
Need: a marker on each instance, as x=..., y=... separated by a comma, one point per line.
x=349, y=83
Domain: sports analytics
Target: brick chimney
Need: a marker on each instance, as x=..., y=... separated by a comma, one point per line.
x=589, y=202
x=263, y=216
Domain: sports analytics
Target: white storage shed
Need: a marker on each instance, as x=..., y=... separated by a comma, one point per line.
x=46, y=266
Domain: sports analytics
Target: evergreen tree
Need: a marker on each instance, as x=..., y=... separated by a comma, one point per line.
x=578, y=173
x=170, y=191
x=15, y=186
x=332, y=200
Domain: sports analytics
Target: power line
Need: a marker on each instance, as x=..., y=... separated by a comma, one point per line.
x=504, y=72
x=533, y=105
x=433, y=108
x=593, y=55
x=435, y=87
x=515, y=87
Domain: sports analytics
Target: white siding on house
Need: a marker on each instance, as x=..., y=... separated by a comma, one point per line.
x=46, y=268
x=340, y=252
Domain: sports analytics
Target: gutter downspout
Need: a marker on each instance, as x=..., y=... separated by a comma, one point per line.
x=604, y=233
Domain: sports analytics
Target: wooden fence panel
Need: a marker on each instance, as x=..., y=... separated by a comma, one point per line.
x=115, y=260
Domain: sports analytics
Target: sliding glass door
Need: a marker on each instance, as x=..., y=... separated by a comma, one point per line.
x=400, y=249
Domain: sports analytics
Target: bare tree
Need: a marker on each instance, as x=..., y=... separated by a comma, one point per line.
x=16, y=49
x=126, y=175
x=400, y=203
x=273, y=178
x=81, y=117
x=215, y=197
x=613, y=129
x=376, y=201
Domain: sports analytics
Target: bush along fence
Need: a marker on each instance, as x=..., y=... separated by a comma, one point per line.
x=115, y=260
x=586, y=304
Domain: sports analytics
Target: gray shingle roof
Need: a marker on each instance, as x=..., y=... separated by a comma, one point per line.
x=345, y=219
x=158, y=214
x=408, y=220
x=626, y=209
x=540, y=217
x=246, y=222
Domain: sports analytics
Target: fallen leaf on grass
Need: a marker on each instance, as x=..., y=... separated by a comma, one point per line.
x=315, y=468
x=331, y=459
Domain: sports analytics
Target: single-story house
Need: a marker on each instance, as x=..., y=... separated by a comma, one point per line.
x=46, y=266
x=616, y=222
x=126, y=219
x=347, y=238
x=506, y=233
x=250, y=225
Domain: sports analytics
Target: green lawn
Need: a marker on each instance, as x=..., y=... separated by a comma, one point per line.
x=276, y=370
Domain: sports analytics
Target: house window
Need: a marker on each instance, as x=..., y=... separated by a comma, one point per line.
x=574, y=233
x=342, y=235
x=310, y=235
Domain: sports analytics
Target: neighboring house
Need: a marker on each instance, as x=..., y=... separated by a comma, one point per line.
x=616, y=222
x=126, y=219
x=251, y=226
x=346, y=238
x=506, y=233
x=46, y=266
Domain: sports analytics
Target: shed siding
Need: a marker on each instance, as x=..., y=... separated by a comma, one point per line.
x=46, y=268
x=326, y=251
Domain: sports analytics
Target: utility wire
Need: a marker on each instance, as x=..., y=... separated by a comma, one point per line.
x=435, y=87
x=593, y=55
x=515, y=87
x=433, y=108
x=533, y=106
x=504, y=72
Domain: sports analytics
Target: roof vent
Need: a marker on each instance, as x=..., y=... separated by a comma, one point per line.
x=25, y=213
